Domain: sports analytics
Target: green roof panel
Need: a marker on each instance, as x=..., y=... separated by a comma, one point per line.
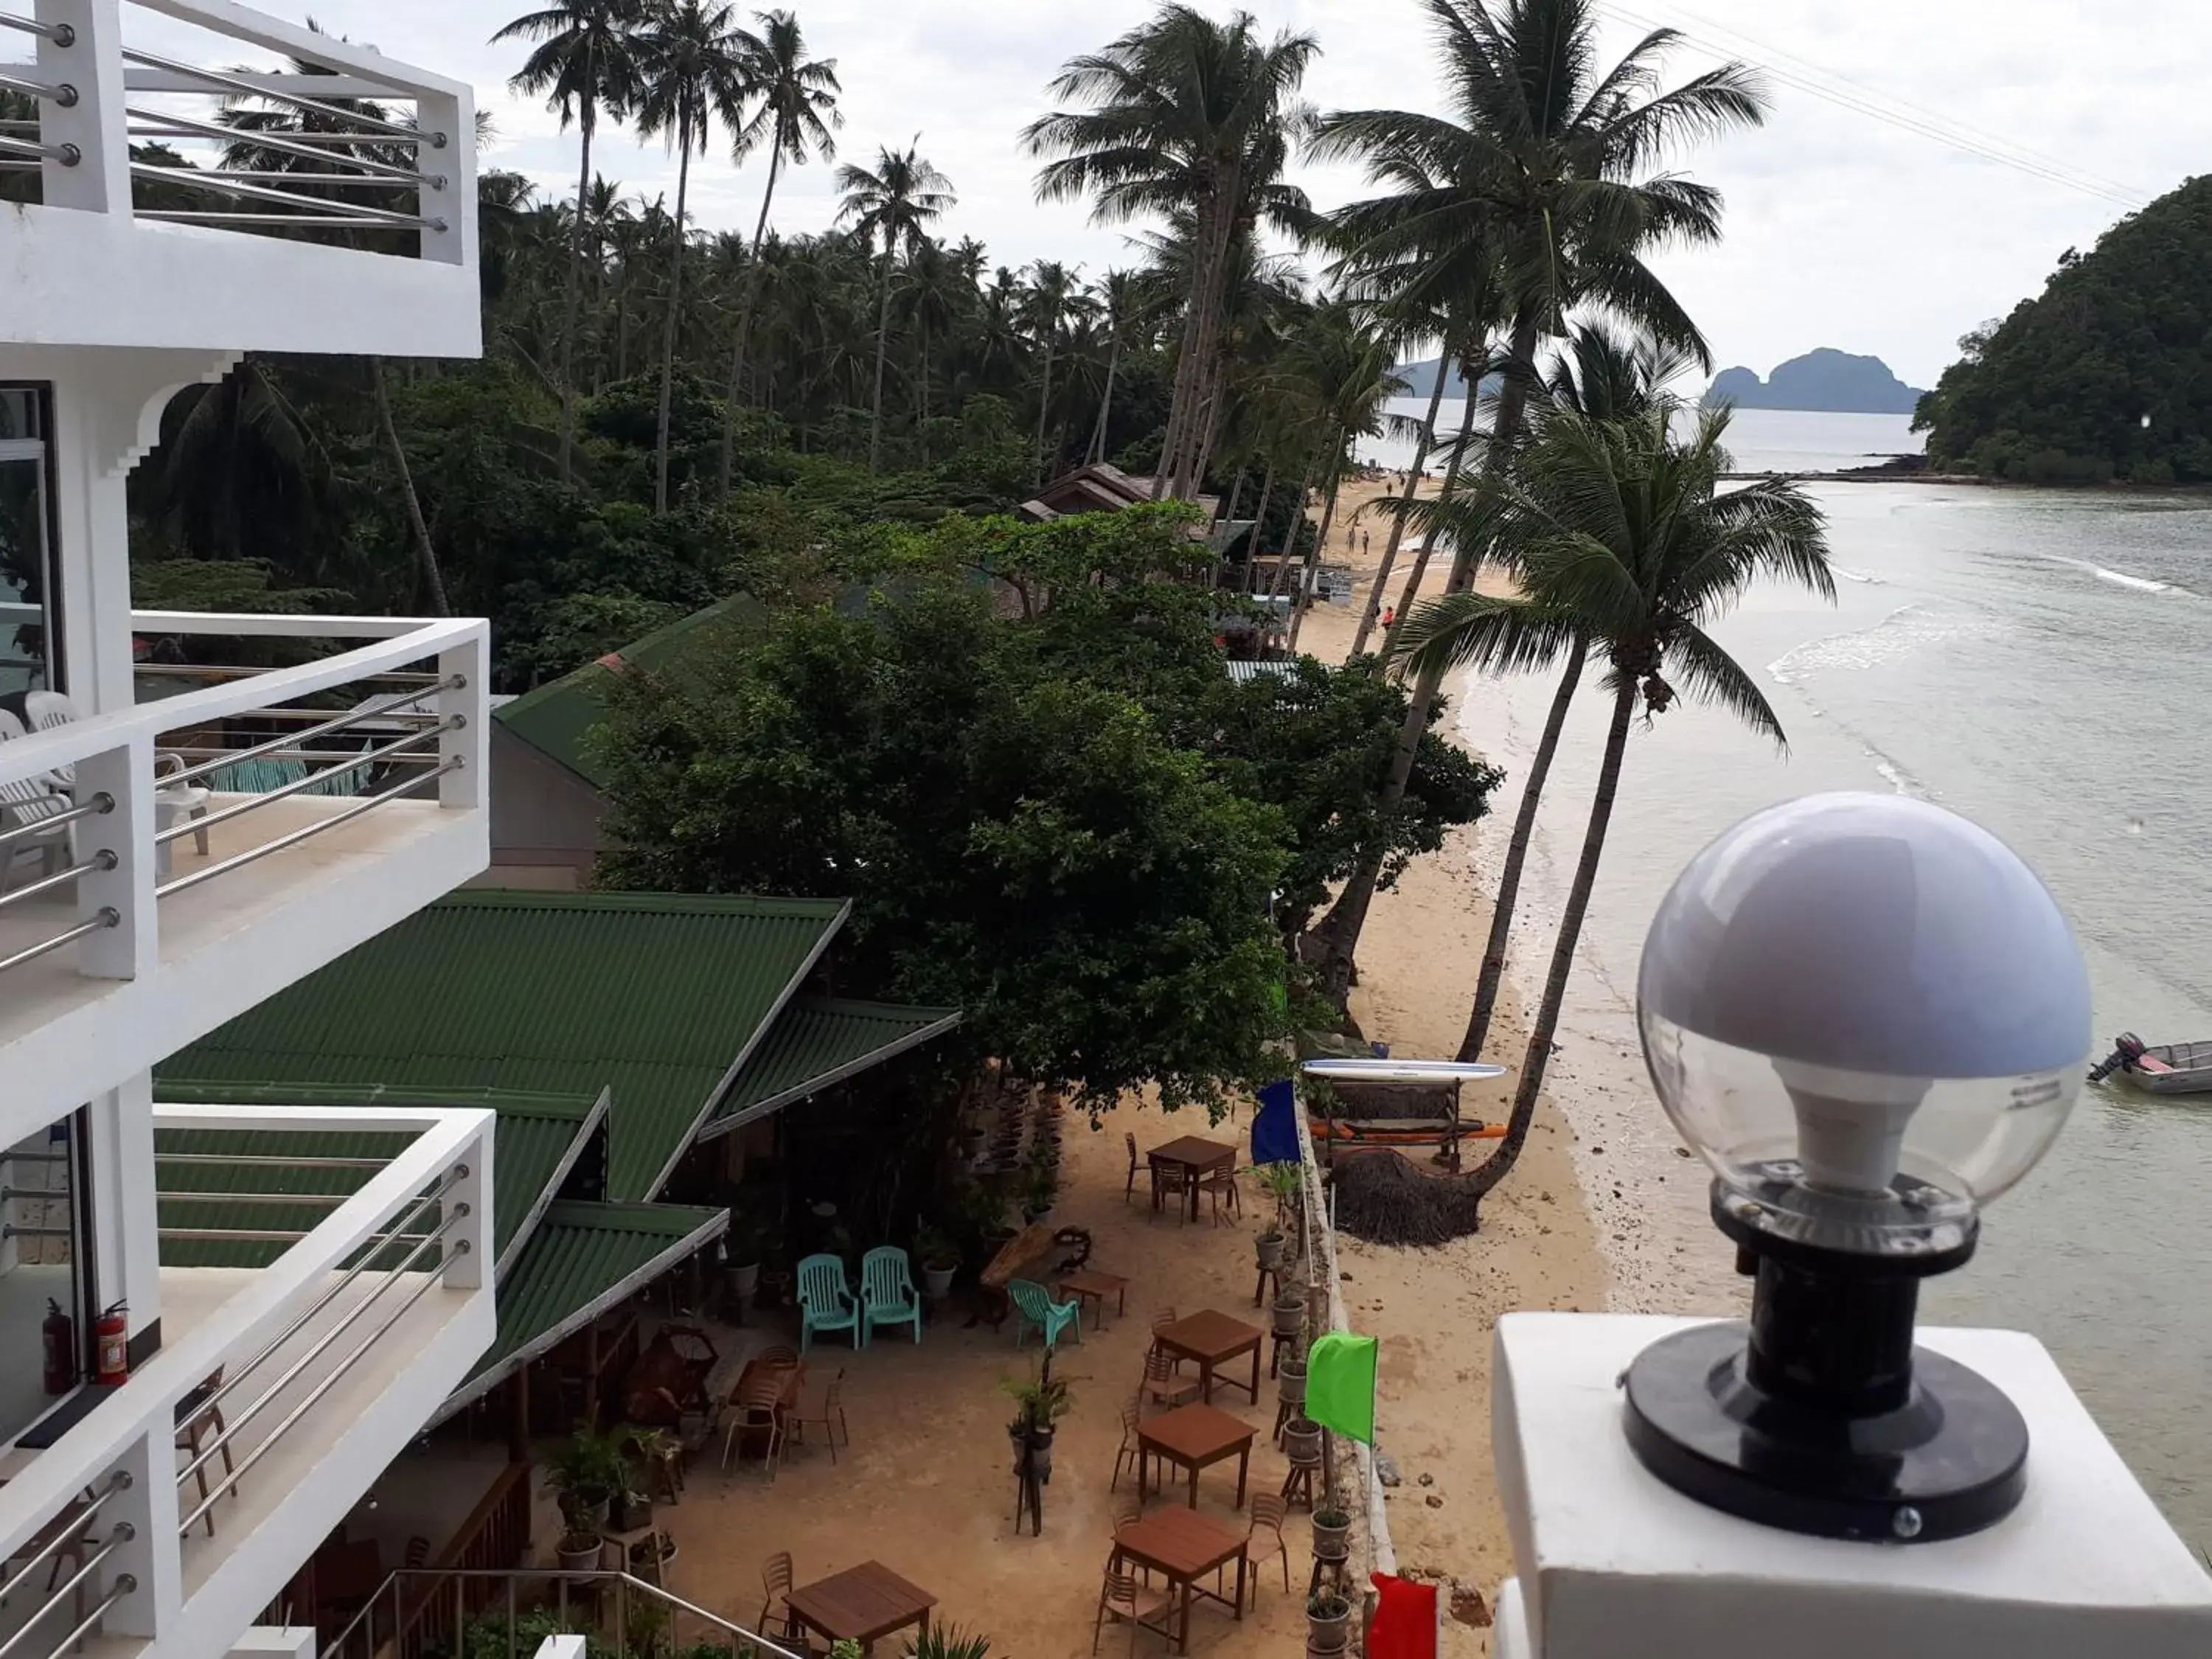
x=817, y=1041
x=536, y=1142
x=558, y=717
x=658, y=998
x=582, y=1260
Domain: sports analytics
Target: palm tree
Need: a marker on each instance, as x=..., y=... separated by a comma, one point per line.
x=1341, y=366
x=798, y=107
x=1183, y=114
x=695, y=68
x=1601, y=379
x=897, y=202
x=585, y=62
x=1117, y=296
x=1621, y=542
x=1539, y=183
x=1047, y=305
x=933, y=296
x=1411, y=327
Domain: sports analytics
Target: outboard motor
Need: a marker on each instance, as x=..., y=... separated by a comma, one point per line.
x=2128, y=1048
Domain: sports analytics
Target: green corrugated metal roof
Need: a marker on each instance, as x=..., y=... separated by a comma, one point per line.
x=654, y=996
x=242, y=1176
x=536, y=1141
x=554, y=717
x=817, y=1041
x=582, y=1260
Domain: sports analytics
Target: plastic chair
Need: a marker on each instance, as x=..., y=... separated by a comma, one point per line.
x=824, y=1302
x=1268, y=1512
x=1127, y=1455
x=1035, y=1306
x=1122, y=1597
x=775, y=1584
x=1164, y=1385
x=887, y=1295
x=28, y=801
x=830, y=1416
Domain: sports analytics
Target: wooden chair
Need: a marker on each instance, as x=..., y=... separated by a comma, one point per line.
x=1219, y=1186
x=758, y=1409
x=1129, y=1451
x=197, y=1414
x=775, y=1585
x=830, y=1416
x=1163, y=1385
x=1122, y=1597
x=418, y=1552
x=1129, y=1187
x=1266, y=1539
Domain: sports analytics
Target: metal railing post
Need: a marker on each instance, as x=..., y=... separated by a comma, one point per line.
x=154, y=1556
x=449, y=231
x=130, y=948
x=469, y=1256
x=90, y=121
x=467, y=662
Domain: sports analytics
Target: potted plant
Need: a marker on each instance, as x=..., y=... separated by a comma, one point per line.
x=1267, y=1247
x=741, y=1249
x=1302, y=1440
x=1290, y=1312
x=585, y=1474
x=1286, y=1181
x=578, y=1551
x=1039, y=1404
x=1331, y=1532
x=1040, y=1183
x=939, y=1257
x=1291, y=1376
x=1328, y=1621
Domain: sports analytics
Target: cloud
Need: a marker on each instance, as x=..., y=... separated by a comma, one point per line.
x=1840, y=230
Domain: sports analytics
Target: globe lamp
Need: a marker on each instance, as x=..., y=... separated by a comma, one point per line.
x=1869, y=1018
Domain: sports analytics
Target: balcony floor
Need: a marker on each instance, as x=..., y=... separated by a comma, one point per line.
x=226, y=944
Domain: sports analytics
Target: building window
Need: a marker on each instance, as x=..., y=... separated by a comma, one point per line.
x=27, y=623
x=45, y=1261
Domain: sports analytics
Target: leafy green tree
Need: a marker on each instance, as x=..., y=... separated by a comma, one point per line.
x=1622, y=540
x=585, y=62
x=895, y=202
x=695, y=68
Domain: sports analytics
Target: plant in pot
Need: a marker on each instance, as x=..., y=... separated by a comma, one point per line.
x=1286, y=1183
x=1291, y=1376
x=1267, y=1247
x=1039, y=1403
x=1302, y=1440
x=1328, y=1621
x=939, y=1257
x=1290, y=1312
x=741, y=1249
x=1040, y=1183
x=585, y=1474
x=1331, y=1532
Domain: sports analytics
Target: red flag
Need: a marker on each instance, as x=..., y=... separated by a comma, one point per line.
x=1405, y=1624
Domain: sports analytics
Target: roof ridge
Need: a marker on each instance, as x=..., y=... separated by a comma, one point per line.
x=650, y=903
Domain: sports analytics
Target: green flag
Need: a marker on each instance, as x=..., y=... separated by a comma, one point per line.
x=1340, y=1384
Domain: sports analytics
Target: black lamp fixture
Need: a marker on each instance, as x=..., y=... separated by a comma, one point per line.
x=1869, y=1017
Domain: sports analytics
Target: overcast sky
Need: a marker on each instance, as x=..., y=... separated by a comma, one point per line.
x=1840, y=230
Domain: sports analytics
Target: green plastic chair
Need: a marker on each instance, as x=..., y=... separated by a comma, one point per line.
x=825, y=1303
x=887, y=1295
x=1034, y=1305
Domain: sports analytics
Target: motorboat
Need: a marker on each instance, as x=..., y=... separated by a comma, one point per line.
x=2172, y=1068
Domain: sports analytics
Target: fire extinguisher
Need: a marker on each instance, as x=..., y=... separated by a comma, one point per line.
x=59, y=1335
x=111, y=1337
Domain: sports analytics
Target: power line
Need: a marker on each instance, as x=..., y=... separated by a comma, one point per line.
x=1892, y=110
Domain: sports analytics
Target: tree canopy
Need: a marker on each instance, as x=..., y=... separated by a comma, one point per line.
x=2107, y=374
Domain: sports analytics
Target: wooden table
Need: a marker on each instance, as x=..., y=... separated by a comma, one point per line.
x=1184, y=1546
x=863, y=1603
x=1191, y=1157
x=1091, y=1286
x=1192, y=1437
x=1211, y=1338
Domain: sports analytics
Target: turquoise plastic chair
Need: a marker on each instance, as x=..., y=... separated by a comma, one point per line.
x=887, y=1295
x=825, y=1303
x=1034, y=1305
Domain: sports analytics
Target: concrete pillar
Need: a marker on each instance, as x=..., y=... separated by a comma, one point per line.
x=125, y=1241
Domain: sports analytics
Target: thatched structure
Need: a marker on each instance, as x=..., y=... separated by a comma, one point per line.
x=1385, y=1198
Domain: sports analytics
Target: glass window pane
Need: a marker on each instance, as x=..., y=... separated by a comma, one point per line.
x=39, y=1261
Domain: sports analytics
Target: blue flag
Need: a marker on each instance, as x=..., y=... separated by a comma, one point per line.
x=1275, y=1124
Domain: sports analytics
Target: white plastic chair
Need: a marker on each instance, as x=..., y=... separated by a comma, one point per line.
x=48, y=709
x=28, y=801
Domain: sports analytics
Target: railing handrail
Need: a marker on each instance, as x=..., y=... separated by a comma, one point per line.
x=337, y=1644
x=241, y=1324
x=342, y=57
x=60, y=746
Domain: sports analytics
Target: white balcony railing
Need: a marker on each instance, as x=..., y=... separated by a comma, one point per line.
x=299, y=1382
x=176, y=828
x=343, y=169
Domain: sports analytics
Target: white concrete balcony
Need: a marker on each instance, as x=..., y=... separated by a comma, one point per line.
x=348, y=226
x=171, y=865
x=166, y=1517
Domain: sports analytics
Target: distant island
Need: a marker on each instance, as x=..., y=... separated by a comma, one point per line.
x=1831, y=381
x=2100, y=377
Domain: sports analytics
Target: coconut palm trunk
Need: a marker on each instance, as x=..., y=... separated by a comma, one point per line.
x=1044, y=405
x=883, y=343
x=1259, y=522
x=426, y=556
x=572, y=299
x=1453, y=470
x=1516, y=857
x=1495, y=1168
x=1291, y=538
x=1096, y=449
x=668, y=326
x=1321, y=545
x=751, y=292
x=1397, y=523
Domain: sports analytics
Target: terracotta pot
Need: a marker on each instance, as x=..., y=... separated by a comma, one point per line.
x=1332, y=1543
x=1302, y=1440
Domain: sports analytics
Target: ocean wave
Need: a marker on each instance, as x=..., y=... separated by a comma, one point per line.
x=2125, y=579
x=1849, y=575
x=1908, y=629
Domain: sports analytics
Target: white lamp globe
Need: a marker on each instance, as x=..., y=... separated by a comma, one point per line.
x=1869, y=1016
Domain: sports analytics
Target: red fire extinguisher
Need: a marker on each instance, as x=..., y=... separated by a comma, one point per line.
x=59, y=1335
x=112, y=1339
